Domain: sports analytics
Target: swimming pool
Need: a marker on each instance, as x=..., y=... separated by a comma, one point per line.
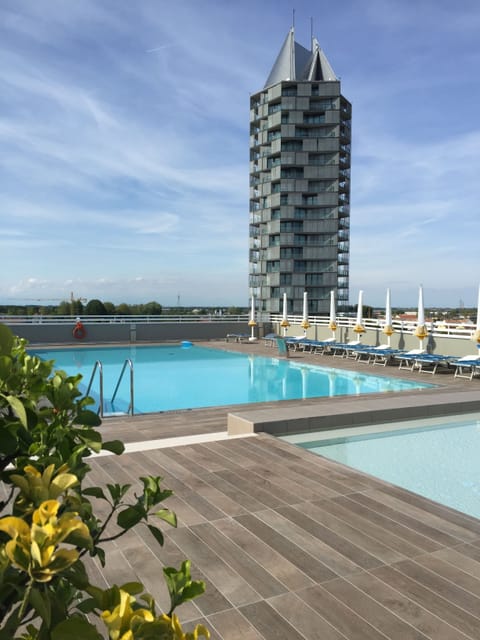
x=173, y=377
x=437, y=457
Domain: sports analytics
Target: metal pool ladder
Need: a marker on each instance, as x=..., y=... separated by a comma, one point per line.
x=98, y=365
x=128, y=363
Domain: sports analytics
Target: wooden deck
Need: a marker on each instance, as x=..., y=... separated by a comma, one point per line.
x=292, y=545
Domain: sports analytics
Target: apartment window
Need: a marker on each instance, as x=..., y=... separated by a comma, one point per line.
x=273, y=108
x=274, y=241
x=273, y=266
x=292, y=145
x=273, y=135
x=273, y=162
x=289, y=90
x=284, y=198
x=291, y=252
x=285, y=279
x=275, y=215
x=292, y=172
x=299, y=266
x=320, y=159
x=317, y=118
x=320, y=185
x=314, y=279
x=287, y=226
x=322, y=105
x=314, y=132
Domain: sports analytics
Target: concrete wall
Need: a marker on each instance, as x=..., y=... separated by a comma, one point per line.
x=454, y=346
x=132, y=332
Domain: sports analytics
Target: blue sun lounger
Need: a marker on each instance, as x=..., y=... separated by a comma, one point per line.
x=429, y=363
x=467, y=367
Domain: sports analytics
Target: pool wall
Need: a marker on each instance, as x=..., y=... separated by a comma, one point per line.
x=130, y=332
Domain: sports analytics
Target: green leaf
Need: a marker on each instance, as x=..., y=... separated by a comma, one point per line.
x=168, y=516
x=133, y=588
x=88, y=418
x=157, y=534
x=18, y=408
x=180, y=585
x=75, y=628
x=115, y=446
x=91, y=438
x=6, y=367
x=8, y=442
x=96, y=492
x=193, y=590
x=130, y=517
x=77, y=575
x=117, y=492
x=98, y=551
x=6, y=340
x=42, y=605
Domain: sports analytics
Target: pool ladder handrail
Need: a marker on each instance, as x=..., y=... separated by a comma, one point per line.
x=98, y=365
x=128, y=363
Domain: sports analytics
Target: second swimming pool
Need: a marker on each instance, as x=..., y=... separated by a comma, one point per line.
x=434, y=457
x=177, y=377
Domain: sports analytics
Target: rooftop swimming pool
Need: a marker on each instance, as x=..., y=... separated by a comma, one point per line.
x=174, y=377
x=435, y=457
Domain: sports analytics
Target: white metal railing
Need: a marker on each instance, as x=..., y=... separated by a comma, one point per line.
x=436, y=328
x=119, y=319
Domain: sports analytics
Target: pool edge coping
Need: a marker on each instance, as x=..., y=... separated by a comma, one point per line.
x=352, y=411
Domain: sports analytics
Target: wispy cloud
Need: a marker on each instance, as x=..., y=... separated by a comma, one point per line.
x=124, y=133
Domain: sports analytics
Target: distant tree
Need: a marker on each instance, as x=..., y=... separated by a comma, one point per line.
x=109, y=308
x=76, y=307
x=95, y=308
x=367, y=311
x=124, y=309
x=64, y=308
x=235, y=311
x=152, y=309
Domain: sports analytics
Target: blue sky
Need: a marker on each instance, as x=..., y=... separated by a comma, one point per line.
x=124, y=145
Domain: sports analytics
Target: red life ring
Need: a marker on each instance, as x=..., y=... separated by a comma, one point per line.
x=79, y=331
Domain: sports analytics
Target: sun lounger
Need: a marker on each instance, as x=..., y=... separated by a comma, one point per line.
x=366, y=353
x=407, y=359
x=237, y=337
x=322, y=346
x=339, y=349
x=382, y=357
x=467, y=367
x=429, y=363
x=269, y=339
x=296, y=342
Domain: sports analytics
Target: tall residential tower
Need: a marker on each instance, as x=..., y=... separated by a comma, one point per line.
x=300, y=136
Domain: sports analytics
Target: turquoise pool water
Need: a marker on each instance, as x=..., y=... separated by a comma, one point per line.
x=186, y=377
x=436, y=458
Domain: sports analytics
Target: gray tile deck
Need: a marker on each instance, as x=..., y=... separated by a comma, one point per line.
x=292, y=545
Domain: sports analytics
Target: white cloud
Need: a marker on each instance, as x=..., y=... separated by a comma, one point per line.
x=124, y=134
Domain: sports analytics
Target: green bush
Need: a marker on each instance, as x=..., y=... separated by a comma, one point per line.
x=48, y=523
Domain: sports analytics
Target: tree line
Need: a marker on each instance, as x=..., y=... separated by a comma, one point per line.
x=96, y=307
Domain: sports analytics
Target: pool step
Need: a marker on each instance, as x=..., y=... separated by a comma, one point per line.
x=333, y=413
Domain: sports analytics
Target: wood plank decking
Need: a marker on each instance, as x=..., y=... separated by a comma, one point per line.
x=292, y=545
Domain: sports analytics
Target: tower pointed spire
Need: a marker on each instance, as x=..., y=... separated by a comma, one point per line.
x=295, y=62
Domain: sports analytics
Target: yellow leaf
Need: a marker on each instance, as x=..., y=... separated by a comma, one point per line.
x=14, y=527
